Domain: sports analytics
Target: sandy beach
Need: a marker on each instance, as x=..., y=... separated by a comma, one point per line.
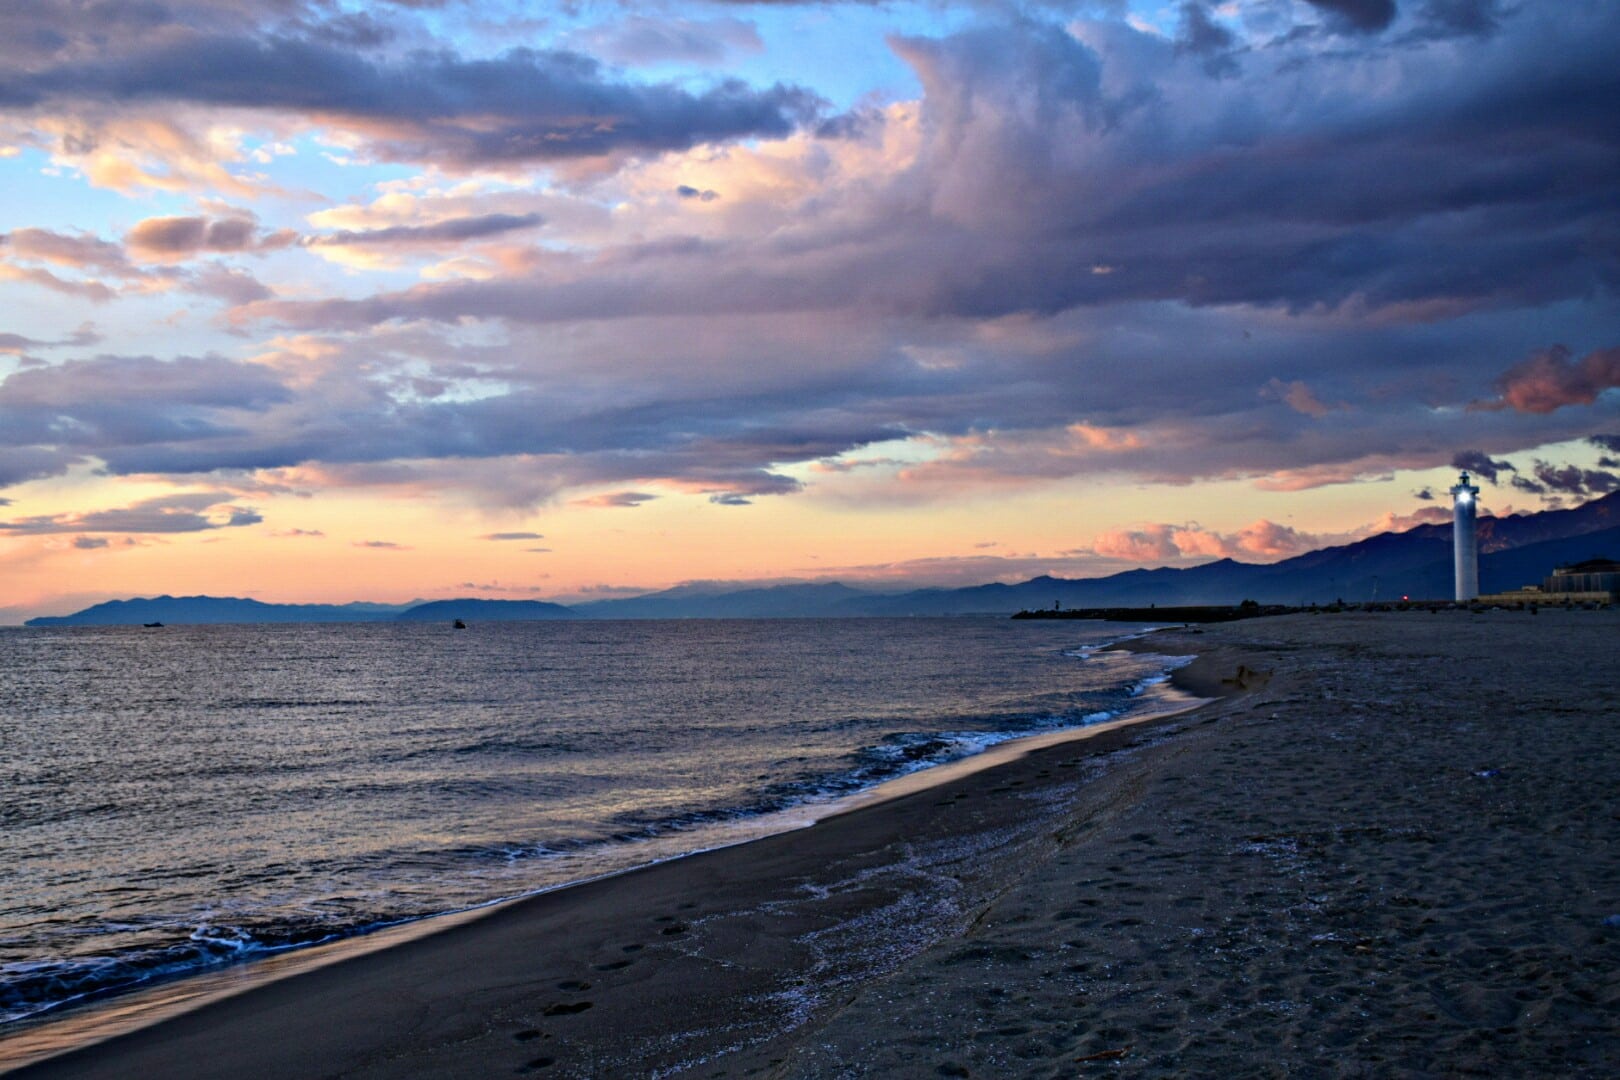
x=1386, y=850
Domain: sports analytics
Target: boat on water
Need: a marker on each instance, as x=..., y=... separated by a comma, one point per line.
x=151, y=625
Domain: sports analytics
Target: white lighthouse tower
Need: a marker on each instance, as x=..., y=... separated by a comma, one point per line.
x=1464, y=542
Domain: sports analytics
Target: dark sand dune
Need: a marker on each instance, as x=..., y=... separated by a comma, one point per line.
x=1390, y=851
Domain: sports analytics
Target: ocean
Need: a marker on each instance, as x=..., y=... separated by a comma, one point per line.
x=180, y=799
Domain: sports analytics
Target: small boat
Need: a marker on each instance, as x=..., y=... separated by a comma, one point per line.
x=459, y=625
x=151, y=625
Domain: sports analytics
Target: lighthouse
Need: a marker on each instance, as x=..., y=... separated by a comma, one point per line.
x=1464, y=542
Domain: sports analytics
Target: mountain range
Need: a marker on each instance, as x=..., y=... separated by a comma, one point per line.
x=1516, y=550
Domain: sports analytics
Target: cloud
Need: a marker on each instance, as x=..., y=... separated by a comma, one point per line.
x=1297, y=396
x=291, y=533
x=1360, y=16
x=18, y=344
x=642, y=39
x=526, y=105
x=1163, y=543
x=183, y=513
x=449, y=231
x=1366, y=227
x=380, y=545
x=235, y=287
x=1202, y=36
x=616, y=499
x=80, y=250
x=1568, y=480
x=1454, y=18
x=512, y=536
x=1481, y=464
x=1551, y=379
x=686, y=191
x=171, y=238
x=89, y=543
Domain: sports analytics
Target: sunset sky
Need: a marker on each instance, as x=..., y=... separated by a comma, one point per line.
x=320, y=300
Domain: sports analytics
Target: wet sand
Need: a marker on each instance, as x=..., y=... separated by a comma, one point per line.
x=1389, y=850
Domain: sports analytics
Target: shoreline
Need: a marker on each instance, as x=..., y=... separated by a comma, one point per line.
x=1356, y=862
x=79, y=1028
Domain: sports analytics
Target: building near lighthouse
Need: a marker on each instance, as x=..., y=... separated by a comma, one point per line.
x=1464, y=539
x=1593, y=582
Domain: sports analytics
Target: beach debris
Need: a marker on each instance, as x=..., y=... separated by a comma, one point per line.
x=1106, y=1055
x=1487, y=774
x=1247, y=678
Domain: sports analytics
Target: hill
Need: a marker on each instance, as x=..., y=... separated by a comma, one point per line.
x=791, y=601
x=487, y=611
x=200, y=610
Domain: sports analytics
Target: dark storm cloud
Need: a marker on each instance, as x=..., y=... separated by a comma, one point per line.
x=1481, y=464
x=525, y=105
x=1062, y=280
x=1036, y=174
x=1361, y=16
x=184, y=513
x=1452, y=18
x=1202, y=36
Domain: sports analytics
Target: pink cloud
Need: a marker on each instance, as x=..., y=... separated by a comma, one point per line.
x=1550, y=379
x=1159, y=542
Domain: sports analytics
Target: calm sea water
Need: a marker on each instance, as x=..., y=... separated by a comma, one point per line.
x=177, y=799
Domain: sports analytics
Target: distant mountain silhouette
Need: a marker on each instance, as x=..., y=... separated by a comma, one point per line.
x=192, y=610
x=487, y=611
x=794, y=601
x=1414, y=563
x=1517, y=550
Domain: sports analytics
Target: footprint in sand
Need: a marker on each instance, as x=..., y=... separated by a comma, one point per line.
x=566, y=1008
x=614, y=965
x=573, y=985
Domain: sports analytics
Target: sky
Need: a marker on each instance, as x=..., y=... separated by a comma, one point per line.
x=330, y=300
